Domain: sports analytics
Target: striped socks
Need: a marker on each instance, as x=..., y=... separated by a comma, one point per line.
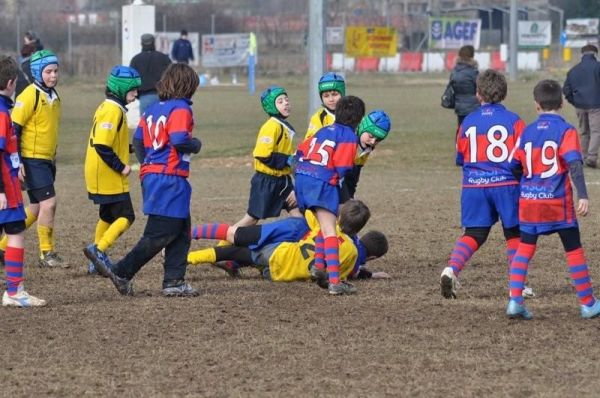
x=511, y=249
x=580, y=276
x=332, y=259
x=319, y=251
x=13, y=258
x=210, y=231
x=518, y=270
x=462, y=252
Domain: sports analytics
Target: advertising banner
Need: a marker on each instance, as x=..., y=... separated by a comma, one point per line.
x=224, y=50
x=581, y=31
x=371, y=41
x=535, y=33
x=453, y=33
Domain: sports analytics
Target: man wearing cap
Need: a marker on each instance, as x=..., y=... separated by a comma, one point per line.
x=150, y=64
x=182, y=49
x=582, y=90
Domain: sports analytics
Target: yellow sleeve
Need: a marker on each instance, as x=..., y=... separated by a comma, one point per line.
x=348, y=255
x=106, y=123
x=314, y=124
x=266, y=140
x=23, y=109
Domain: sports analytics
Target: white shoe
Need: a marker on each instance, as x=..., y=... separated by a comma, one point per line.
x=449, y=283
x=528, y=292
x=22, y=299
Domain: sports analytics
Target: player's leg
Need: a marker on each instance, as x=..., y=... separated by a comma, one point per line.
x=175, y=264
x=518, y=275
x=579, y=271
x=30, y=218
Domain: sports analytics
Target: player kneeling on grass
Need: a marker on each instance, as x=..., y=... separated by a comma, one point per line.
x=284, y=250
x=12, y=212
x=490, y=191
x=548, y=153
x=107, y=161
x=166, y=136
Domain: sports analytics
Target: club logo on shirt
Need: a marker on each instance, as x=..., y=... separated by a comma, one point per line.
x=106, y=125
x=266, y=140
x=543, y=125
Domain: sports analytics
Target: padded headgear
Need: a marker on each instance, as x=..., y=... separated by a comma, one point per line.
x=268, y=97
x=331, y=81
x=123, y=79
x=39, y=60
x=377, y=123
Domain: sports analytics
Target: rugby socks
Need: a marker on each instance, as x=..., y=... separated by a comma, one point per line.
x=319, y=251
x=13, y=258
x=580, y=275
x=518, y=270
x=210, y=231
x=462, y=252
x=202, y=256
x=30, y=218
x=101, y=228
x=46, y=239
x=332, y=259
x=511, y=249
x=113, y=232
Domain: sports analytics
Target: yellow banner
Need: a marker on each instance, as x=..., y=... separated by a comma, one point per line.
x=371, y=41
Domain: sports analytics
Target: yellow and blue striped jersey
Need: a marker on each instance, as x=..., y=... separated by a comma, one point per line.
x=273, y=147
x=39, y=114
x=110, y=129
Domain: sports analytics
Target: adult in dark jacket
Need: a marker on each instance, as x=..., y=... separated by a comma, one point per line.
x=150, y=64
x=582, y=90
x=25, y=76
x=182, y=49
x=463, y=80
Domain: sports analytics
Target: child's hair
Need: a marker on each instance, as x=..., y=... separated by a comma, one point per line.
x=349, y=111
x=548, y=94
x=8, y=70
x=375, y=243
x=354, y=214
x=589, y=48
x=177, y=81
x=466, y=52
x=491, y=86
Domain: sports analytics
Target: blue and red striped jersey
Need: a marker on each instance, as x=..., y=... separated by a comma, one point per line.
x=164, y=125
x=329, y=154
x=10, y=159
x=484, y=143
x=545, y=150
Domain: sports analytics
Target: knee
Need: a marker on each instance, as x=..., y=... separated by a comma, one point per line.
x=511, y=233
x=48, y=205
x=480, y=235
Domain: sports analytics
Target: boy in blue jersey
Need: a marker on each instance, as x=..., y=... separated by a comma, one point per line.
x=323, y=161
x=166, y=135
x=490, y=191
x=549, y=156
x=12, y=212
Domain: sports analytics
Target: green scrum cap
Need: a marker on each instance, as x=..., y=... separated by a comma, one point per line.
x=123, y=79
x=268, y=97
x=377, y=123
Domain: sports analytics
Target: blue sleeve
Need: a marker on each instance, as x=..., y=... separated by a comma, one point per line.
x=277, y=161
x=109, y=157
x=140, y=151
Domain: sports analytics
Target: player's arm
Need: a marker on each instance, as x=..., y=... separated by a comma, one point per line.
x=138, y=144
x=179, y=126
x=5, y=125
x=570, y=150
x=265, y=150
x=105, y=131
x=22, y=112
x=460, y=147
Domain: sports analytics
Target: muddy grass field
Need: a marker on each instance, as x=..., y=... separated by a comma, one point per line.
x=249, y=337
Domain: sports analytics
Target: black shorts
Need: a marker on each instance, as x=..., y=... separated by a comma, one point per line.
x=110, y=212
x=268, y=194
x=40, y=175
x=13, y=228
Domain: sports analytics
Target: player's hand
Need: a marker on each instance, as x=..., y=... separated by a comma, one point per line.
x=583, y=207
x=3, y=201
x=21, y=173
x=291, y=200
x=126, y=170
x=380, y=275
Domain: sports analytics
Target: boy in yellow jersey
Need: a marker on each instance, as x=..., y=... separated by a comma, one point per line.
x=36, y=117
x=331, y=87
x=271, y=187
x=107, y=160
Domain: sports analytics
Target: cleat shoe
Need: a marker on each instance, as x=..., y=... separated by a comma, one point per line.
x=515, y=310
x=337, y=289
x=51, y=259
x=182, y=290
x=91, y=270
x=123, y=285
x=590, y=312
x=102, y=256
x=317, y=274
x=528, y=292
x=449, y=283
x=21, y=299
x=231, y=267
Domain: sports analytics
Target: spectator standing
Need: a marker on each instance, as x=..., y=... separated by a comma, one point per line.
x=182, y=49
x=25, y=76
x=463, y=80
x=150, y=64
x=32, y=38
x=582, y=90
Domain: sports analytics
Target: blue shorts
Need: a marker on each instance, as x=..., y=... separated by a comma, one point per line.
x=39, y=173
x=290, y=229
x=312, y=192
x=268, y=195
x=546, y=229
x=481, y=207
